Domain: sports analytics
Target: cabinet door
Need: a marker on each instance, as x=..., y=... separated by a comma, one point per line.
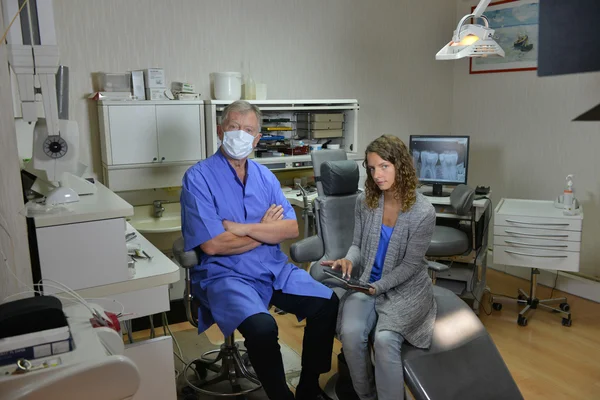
x=179, y=135
x=133, y=134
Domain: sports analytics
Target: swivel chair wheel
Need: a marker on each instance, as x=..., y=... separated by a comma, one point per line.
x=565, y=307
x=521, y=297
x=522, y=321
x=497, y=306
x=566, y=321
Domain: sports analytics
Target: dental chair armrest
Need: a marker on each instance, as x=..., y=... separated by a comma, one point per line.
x=306, y=250
x=187, y=259
x=436, y=266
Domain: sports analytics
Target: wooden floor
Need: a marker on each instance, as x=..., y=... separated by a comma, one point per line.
x=546, y=359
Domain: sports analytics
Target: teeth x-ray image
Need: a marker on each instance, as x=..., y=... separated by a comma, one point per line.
x=440, y=159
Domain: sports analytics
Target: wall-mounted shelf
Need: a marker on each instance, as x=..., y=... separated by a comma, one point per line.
x=291, y=110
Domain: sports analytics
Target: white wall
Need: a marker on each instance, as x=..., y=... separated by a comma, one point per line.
x=11, y=199
x=380, y=52
x=523, y=143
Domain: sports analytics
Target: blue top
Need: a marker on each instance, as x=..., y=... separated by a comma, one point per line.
x=232, y=288
x=384, y=240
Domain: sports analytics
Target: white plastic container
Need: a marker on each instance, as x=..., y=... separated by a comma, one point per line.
x=116, y=82
x=227, y=85
x=261, y=91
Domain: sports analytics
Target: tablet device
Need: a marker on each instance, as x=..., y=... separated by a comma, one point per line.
x=349, y=282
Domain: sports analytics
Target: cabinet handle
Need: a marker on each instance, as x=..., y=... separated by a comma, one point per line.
x=154, y=159
x=162, y=159
x=534, y=255
x=535, y=245
x=536, y=223
x=537, y=234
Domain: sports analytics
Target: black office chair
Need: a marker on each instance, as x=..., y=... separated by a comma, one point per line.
x=234, y=367
x=462, y=362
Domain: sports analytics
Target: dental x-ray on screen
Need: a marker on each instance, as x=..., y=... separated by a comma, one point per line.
x=440, y=159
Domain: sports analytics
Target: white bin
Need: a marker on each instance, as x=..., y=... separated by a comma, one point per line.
x=227, y=85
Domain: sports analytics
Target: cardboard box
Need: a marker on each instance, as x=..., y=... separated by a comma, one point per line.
x=182, y=87
x=155, y=78
x=156, y=94
x=137, y=80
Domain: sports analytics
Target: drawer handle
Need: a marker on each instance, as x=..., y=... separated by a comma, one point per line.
x=533, y=255
x=537, y=234
x=537, y=223
x=535, y=245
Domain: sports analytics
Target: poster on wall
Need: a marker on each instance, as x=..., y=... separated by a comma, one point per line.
x=515, y=23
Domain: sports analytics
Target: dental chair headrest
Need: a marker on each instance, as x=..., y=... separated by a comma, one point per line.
x=339, y=177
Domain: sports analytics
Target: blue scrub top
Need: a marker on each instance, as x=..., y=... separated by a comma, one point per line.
x=384, y=241
x=233, y=288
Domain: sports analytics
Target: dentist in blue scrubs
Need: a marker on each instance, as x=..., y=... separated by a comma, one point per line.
x=233, y=209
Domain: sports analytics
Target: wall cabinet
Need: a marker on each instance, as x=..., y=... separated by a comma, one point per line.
x=150, y=144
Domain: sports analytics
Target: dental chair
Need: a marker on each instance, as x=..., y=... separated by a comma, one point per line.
x=462, y=362
x=234, y=367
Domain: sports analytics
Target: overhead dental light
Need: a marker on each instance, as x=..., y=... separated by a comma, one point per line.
x=472, y=40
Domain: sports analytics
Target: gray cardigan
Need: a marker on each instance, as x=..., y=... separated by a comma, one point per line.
x=405, y=302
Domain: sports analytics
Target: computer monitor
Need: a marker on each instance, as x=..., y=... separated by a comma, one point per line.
x=440, y=160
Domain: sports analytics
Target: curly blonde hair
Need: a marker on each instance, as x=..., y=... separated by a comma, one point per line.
x=392, y=149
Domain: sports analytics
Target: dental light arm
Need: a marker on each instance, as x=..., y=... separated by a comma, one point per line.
x=478, y=12
x=33, y=52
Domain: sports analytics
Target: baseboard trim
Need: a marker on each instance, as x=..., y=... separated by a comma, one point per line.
x=575, y=285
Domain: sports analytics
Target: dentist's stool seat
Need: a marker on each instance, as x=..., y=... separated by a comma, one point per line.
x=234, y=368
x=462, y=362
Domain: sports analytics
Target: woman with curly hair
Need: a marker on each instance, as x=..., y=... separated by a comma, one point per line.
x=393, y=228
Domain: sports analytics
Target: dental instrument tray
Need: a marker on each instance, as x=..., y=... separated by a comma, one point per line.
x=349, y=282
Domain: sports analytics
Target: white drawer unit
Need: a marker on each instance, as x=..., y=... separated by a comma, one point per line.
x=535, y=234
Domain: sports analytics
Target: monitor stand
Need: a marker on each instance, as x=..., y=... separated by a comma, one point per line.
x=437, y=191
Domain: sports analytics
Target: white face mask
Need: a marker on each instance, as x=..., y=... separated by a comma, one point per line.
x=238, y=144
